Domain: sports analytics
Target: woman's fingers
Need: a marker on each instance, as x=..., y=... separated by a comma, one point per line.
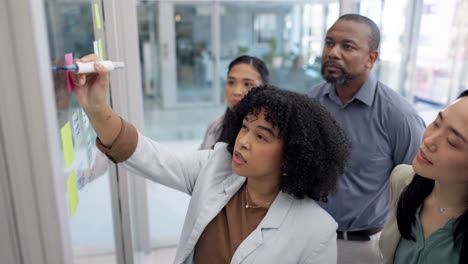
x=81, y=79
x=103, y=74
x=89, y=57
x=77, y=79
x=99, y=68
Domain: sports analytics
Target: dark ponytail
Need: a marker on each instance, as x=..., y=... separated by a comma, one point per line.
x=461, y=225
x=256, y=63
x=410, y=199
x=260, y=67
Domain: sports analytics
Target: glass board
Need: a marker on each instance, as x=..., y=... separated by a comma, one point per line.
x=76, y=28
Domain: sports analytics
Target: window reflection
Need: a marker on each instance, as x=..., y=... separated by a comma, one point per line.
x=149, y=50
x=288, y=36
x=419, y=64
x=440, y=57
x=193, y=52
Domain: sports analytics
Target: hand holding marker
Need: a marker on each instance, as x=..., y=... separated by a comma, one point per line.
x=88, y=67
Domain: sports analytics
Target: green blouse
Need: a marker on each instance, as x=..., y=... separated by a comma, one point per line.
x=437, y=248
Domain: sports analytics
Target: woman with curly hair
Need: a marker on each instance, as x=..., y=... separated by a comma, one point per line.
x=429, y=219
x=254, y=198
x=244, y=73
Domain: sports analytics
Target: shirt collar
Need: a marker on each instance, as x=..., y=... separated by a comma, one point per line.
x=277, y=211
x=365, y=94
x=367, y=91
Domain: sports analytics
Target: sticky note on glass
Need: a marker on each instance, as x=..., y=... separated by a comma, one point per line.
x=101, y=53
x=76, y=127
x=85, y=119
x=67, y=144
x=72, y=190
x=97, y=16
x=69, y=61
x=89, y=149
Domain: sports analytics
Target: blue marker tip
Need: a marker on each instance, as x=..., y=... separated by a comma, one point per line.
x=71, y=67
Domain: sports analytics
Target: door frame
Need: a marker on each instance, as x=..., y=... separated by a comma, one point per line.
x=38, y=211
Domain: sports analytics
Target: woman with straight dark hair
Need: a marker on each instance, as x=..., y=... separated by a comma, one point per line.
x=429, y=220
x=244, y=73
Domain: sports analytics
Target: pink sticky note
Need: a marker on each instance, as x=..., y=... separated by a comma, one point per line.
x=68, y=61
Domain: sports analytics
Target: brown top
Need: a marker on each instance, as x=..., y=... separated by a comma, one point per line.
x=123, y=146
x=223, y=235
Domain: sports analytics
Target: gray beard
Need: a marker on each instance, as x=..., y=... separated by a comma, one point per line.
x=344, y=78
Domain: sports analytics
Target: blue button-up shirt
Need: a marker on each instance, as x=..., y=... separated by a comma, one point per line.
x=385, y=131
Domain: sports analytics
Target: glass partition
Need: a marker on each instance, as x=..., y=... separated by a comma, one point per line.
x=76, y=28
x=193, y=52
x=441, y=58
x=424, y=67
x=395, y=40
x=287, y=35
x=149, y=50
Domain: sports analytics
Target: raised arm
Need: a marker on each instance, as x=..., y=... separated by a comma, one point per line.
x=91, y=91
x=123, y=143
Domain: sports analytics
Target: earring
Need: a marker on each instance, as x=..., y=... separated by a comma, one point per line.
x=283, y=171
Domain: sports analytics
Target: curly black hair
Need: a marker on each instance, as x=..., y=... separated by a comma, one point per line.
x=316, y=149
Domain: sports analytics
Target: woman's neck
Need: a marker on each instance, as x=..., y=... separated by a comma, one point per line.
x=261, y=191
x=449, y=195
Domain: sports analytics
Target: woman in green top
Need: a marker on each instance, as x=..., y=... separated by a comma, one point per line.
x=431, y=213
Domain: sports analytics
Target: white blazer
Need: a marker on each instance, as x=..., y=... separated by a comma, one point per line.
x=292, y=231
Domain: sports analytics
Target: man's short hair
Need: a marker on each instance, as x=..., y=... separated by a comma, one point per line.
x=463, y=94
x=374, y=38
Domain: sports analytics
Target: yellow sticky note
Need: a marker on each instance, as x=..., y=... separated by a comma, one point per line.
x=101, y=54
x=72, y=189
x=67, y=144
x=97, y=16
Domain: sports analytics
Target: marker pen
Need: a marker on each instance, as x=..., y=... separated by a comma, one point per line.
x=88, y=67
